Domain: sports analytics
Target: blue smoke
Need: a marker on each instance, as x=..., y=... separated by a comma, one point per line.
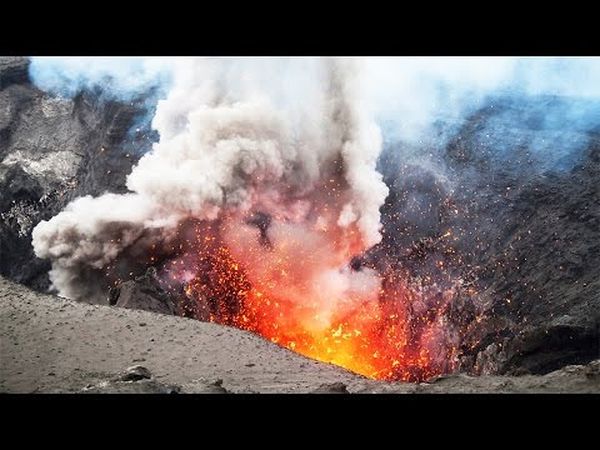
x=122, y=79
x=541, y=132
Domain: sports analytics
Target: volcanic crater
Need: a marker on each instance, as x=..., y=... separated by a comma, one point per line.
x=484, y=279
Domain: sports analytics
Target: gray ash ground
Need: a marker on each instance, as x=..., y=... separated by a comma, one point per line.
x=525, y=238
x=51, y=345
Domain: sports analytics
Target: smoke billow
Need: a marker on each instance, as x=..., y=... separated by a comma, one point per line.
x=226, y=146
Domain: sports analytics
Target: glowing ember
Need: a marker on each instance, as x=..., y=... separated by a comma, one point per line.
x=295, y=286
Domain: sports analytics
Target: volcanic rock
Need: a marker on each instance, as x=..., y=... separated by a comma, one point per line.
x=53, y=150
x=334, y=388
x=135, y=373
x=120, y=387
x=144, y=293
x=13, y=71
x=592, y=370
x=205, y=387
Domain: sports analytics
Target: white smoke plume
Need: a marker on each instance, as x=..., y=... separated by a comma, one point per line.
x=231, y=140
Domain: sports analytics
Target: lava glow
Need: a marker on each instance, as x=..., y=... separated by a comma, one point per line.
x=292, y=283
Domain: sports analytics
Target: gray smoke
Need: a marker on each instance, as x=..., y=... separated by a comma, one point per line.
x=226, y=144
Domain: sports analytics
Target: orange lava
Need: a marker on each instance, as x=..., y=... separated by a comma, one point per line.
x=369, y=340
x=270, y=290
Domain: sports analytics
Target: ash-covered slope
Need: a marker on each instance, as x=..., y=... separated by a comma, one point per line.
x=53, y=150
x=49, y=344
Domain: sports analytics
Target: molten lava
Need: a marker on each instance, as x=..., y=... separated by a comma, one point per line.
x=294, y=286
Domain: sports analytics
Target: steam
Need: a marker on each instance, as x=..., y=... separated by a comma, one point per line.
x=228, y=146
x=418, y=102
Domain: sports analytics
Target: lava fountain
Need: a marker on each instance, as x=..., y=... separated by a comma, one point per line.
x=297, y=281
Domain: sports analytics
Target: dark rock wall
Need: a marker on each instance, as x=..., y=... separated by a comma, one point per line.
x=53, y=150
x=527, y=231
x=541, y=273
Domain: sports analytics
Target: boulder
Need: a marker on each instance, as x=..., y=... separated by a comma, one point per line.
x=144, y=293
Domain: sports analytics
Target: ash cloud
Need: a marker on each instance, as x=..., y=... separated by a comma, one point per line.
x=228, y=142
